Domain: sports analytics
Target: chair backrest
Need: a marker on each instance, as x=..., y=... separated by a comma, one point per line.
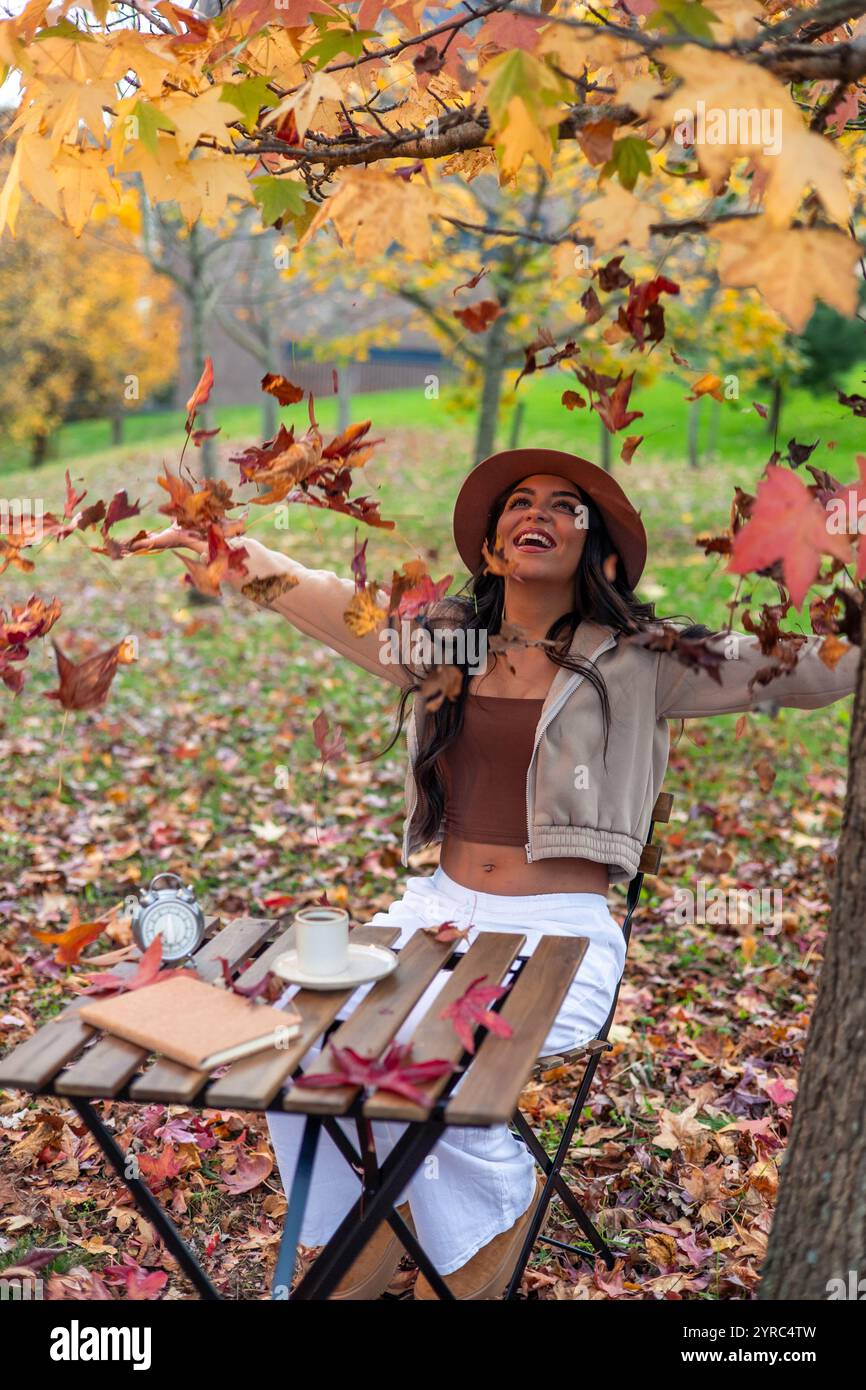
x=650, y=859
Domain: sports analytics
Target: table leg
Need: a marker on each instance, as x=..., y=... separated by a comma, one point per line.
x=288, y=1253
x=368, y=1213
x=145, y=1200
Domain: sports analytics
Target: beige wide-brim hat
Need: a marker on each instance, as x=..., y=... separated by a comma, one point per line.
x=488, y=478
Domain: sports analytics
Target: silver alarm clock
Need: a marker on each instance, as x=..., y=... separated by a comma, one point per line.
x=171, y=913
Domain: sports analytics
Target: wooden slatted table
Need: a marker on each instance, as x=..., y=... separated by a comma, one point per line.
x=68, y=1059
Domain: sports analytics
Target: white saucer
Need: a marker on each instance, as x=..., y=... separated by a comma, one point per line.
x=365, y=963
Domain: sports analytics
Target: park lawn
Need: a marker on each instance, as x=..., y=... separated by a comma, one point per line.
x=203, y=761
x=738, y=432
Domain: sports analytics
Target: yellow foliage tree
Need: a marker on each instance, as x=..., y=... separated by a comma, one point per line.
x=86, y=328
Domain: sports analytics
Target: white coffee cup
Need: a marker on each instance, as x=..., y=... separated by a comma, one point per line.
x=322, y=940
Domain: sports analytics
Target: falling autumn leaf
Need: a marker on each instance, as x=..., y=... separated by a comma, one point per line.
x=330, y=743
x=477, y=318
x=284, y=390
x=201, y=394
x=787, y=524
x=86, y=685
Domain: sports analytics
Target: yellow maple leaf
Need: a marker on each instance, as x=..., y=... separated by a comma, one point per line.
x=37, y=172
x=149, y=56
x=369, y=208
x=525, y=133
x=575, y=50
x=82, y=177
x=10, y=197
x=615, y=217
x=734, y=19
x=364, y=614
x=738, y=110
x=195, y=116
x=790, y=267
x=304, y=102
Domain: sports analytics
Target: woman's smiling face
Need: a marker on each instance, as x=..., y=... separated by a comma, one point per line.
x=543, y=527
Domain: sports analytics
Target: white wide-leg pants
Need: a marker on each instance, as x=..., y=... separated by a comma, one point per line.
x=476, y=1181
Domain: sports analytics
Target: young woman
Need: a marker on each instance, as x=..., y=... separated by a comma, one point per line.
x=539, y=780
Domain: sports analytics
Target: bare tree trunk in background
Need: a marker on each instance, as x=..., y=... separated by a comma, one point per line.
x=819, y=1227
x=694, y=431
x=775, y=417
x=270, y=404
x=604, y=446
x=712, y=449
x=198, y=302
x=38, y=450
x=516, y=424
x=345, y=388
x=491, y=389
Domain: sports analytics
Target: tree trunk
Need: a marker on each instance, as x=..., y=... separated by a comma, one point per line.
x=712, y=448
x=775, y=417
x=491, y=390
x=345, y=387
x=117, y=429
x=38, y=450
x=694, y=432
x=605, y=446
x=270, y=404
x=198, y=326
x=819, y=1228
x=516, y=424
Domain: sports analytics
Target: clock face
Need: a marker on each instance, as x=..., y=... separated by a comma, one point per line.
x=177, y=924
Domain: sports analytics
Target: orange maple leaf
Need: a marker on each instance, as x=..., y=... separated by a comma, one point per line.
x=201, y=394
x=71, y=942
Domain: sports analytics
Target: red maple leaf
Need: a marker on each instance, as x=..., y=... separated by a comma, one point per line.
x=447, y=932
x=156, y=1171
x=330, y=743
x=140, y=1283
x=148, y=973
x=393, y=1072
x=787, y=524
x=415, y=600
x=470, y=1010
x=248, y=991
x=477, y=318
x=72, y=498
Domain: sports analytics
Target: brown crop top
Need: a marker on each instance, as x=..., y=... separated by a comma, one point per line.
x=485, y=768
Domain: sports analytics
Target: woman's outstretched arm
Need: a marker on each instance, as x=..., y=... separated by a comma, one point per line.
x=682, y=692
x=312, y=600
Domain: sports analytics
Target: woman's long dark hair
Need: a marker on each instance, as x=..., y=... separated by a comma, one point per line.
x=480, y=605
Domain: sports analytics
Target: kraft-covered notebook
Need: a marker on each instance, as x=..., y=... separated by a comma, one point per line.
x=191, y=1022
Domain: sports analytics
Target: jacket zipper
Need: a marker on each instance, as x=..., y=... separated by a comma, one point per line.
x=575, y=681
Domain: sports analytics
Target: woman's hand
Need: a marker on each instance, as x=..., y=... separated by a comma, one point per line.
x=174, y=537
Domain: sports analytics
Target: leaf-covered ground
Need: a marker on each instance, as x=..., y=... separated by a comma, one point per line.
x=203, y=761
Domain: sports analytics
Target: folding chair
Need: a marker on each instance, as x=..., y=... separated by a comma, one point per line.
x=555, y=1183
